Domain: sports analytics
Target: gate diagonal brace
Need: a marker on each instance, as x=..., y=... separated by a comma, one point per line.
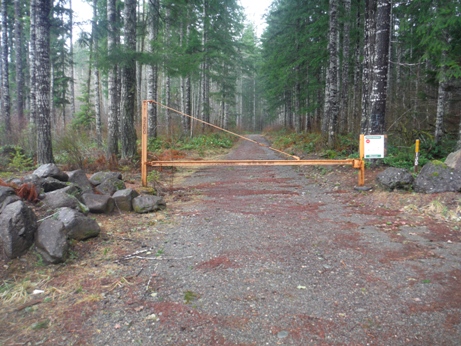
x=355, y=163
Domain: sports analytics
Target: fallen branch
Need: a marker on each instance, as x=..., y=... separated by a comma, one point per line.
x=28, y=304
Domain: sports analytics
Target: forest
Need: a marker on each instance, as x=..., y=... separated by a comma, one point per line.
x=334, y=68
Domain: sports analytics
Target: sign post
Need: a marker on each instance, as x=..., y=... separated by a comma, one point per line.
x=416, y=155
x=144, y=124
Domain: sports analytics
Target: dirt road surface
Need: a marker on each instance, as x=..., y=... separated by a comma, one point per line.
x=252, y=256
x=266, y=256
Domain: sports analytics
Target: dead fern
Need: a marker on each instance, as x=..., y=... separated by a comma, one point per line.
x=26, y=191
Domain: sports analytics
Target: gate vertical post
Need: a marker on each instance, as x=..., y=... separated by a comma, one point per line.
x=362, y=162
x=144, y=144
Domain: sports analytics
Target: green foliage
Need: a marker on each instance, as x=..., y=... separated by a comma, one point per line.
x=153, y=176
x=287, y=64
x=402, y=156
x=20, y=162
x=85, y=117
x=74, y=148
x=296, y=142
x=211, y=141
x=190, y=296
x=199, y=143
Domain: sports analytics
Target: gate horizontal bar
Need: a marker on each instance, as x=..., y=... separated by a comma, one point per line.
x=179, y=163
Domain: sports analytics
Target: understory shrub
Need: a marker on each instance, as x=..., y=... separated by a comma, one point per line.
x=200, y=143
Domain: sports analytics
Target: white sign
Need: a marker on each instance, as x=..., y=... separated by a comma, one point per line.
x=374, y=146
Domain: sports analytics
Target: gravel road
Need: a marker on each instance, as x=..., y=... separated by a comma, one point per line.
x=265, y=256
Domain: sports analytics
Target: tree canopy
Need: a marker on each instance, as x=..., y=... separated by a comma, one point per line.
x=316, y=68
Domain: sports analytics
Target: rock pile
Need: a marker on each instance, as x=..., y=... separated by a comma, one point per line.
x=70, y=197
x=434, y=177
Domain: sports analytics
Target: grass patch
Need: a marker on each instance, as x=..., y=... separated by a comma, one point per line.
x=202, y=144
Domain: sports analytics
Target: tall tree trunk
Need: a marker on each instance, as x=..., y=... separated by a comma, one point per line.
x=44, y=144
x=353, y=117
x=152, y=74
x=32, y=69
x=325, y=120
x=379, y=89
x=332, y=101
x=139, y=65
x=205, y=88
x=52, y=110
x=6, y=106
x=128, y=132
x=71, y=53
x=169, y=125
x=441, y=101
x=368, y=46
x=97, y=93
x=186, y=81
x=112, y=140
x=345, y=68
x=254, y=101
x=19, y=63
x=441, y=106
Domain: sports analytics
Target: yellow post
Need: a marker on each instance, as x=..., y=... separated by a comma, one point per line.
x=144, y=144
x=362, y=162
x=416, y=155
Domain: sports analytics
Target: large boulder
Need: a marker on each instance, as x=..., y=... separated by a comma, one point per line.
x=437, y=177
x=5, y=192
x=99, y=177
x=52, y=184
x=18, y=224
x=60, y=199
x=124, y=199
x=78, y=226
x=148, y=203
x=454, y=160
x=110, y=186
x=51, y=241
x=98, y=204
x=80, y=179
x=395, y=178
x=51, y=170
x=8, y=200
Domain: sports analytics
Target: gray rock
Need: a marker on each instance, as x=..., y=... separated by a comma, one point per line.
x=78, y=226
x=110, y=186
x=395, y=178
x=454, y=160
x=15, y=181
x=18, y=224
x=99, y=177
x=5, y=192
x=51, y=170
x=51, y=241
x=99, y=204
x=8, y=200
x=437, y=177
x=31, y=179
x=80, y=179
x=124, y=199
x=61, y=199
x=148, y=203
x=52, y=184
x=73, y=190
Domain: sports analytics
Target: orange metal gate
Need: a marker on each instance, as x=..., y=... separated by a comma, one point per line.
x=355, y=163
